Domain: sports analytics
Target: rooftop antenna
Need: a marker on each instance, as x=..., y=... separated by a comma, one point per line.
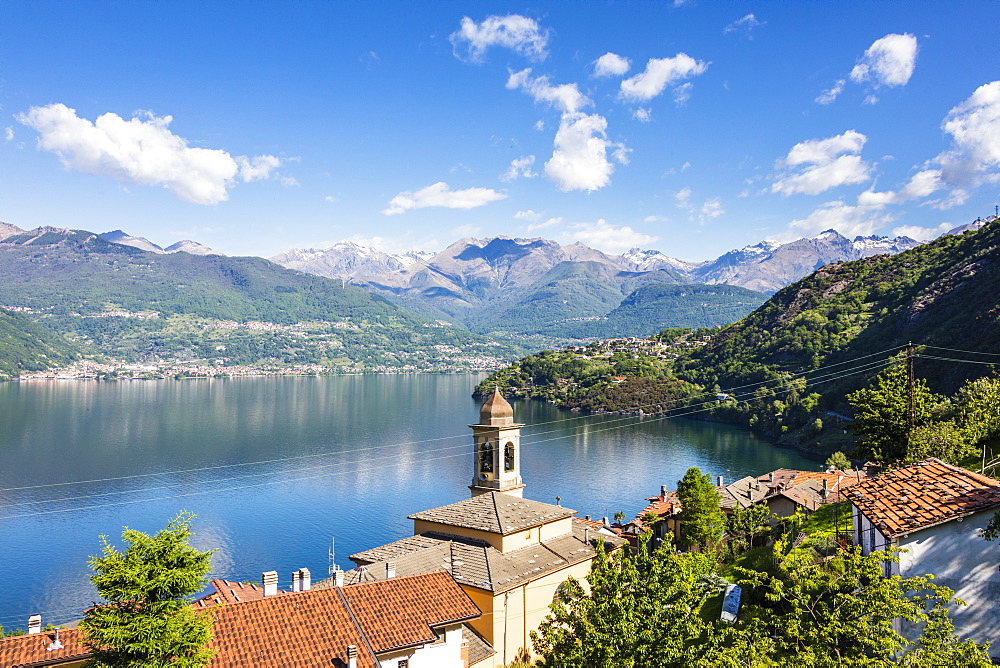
x=333, y=563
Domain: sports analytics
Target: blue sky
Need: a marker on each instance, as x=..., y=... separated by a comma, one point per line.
x=690, y=127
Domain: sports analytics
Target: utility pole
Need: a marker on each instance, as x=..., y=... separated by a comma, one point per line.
x=910, y=382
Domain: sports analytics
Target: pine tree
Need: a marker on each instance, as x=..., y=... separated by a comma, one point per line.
x=147, y=621
x=702, y=520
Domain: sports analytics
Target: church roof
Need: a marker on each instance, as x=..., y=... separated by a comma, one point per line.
x=496, y=412
x=474, y=562
x=495, y=512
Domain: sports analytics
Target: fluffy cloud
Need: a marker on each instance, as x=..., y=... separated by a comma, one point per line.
x=608, y=238
x=849, y=220
x=828, y=166
x=710, y=208
x=142, y=150
x=439, y=194
x=744, y=25
x=889, y=61
x=921, y=233
x=660, y=73
x=580, y=158
x=9, y=133
x=564, y=97
x=920, y=185
x=974, y=126
x=642, y=114
x=520, y=167
x=527, y=214
x=611, y=64
x=520, y=34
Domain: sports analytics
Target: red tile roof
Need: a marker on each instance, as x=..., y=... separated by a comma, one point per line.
x=310, y=628
x=922, y=495
x=32, y=650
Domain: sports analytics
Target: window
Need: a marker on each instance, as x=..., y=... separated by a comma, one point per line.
x=404, y=663
x=508, y=456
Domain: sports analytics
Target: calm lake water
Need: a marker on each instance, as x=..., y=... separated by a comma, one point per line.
x=275, y=468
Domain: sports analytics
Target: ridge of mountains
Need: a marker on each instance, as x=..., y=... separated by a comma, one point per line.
x=107, y=298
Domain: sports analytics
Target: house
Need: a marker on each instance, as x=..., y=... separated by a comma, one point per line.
x=403, y=622
x=509, y=554
x=935, y=511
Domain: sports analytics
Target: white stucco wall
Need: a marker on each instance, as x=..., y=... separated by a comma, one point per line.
x=438, y=655
x=962, y=560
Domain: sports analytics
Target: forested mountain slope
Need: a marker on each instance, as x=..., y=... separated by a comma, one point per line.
x=26, y=346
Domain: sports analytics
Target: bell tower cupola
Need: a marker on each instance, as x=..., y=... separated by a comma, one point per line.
x=497, y=438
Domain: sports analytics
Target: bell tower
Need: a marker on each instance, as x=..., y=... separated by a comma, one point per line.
x=497, y=438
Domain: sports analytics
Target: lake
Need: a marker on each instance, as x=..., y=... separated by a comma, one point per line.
x=275, y=468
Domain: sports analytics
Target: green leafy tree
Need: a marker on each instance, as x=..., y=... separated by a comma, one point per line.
x=641, y=610
x=702, y=520
x=841, y=612
x=838, y=460
x=147, y=621
x=745, y=524
x=881, y=418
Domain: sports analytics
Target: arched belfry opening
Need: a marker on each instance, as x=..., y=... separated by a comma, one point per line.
x=497, y=440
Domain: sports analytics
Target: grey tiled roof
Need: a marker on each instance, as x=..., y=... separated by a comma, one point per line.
x=744, y=492
x=495, y=512
x=479, y=648
x=475, y=563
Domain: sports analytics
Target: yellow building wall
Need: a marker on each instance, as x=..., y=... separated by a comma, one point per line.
x=509, y=617
x=421, y=526
x=508, y=543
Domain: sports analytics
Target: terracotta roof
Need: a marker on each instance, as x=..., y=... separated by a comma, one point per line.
x=32, y=650
x=227, y=591
x=476, y=563
x=309, y=628
x=495, y=512
x=923, y=494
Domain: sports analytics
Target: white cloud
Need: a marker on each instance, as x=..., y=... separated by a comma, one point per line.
x=329, y=198
x=539, y=125
x=655, y=219
x=660, y=73
x=520, y=34
x=920, y=185
x=828, y=167
x=921, y=233
x=564, y=97
x=527, y=214
x=611, y=64
x=974, y=126
x=520, y=167
x=828, y=96
x=683, y=198
x=551, y=222
x=467, y=230
x=608, y=238
x=142, y=150
x=712, y=208
x=745, y=25
x=642, y=114
x=709, y=210
x=682, y=93
x=849, y=220
x=9, y=133
x=579, y=160
x=889, y=61
x=439, y=195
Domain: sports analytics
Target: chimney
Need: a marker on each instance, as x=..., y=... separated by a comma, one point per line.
x=296, y=585
x=721, y=481
x=270, y=582
x=826, y=488
x=663, y=492
x=338, y=578
x=305, y=579
x=464, y=653
x=35, y=624
x=586, y=535
x=390, y=569
x=55, y=644
x=606, y=522
x=770, y=476
x=352, y=656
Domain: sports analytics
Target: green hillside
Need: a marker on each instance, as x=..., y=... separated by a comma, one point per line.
x=25, y=346
x=128, y=304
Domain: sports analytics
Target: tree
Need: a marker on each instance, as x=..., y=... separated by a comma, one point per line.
x=881, y=418
x=147, y=621
x=641, y=610
x=838, y=460
x=702, y=520
x=746, y=524
x=842, y=611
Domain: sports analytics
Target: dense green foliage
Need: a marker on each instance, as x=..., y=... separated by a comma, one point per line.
x=122, y=302
x=659, y=608
x=26, y=346
x=146, y=620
